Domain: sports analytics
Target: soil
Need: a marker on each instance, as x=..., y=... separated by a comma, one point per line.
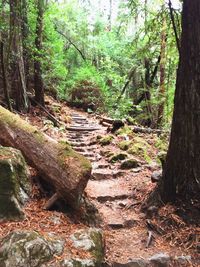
x=117, y=194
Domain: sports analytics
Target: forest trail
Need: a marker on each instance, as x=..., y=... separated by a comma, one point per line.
x=117, y=192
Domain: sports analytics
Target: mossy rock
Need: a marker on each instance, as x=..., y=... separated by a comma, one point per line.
x=28, y=248
x=118, y=157
x=124, y=145
x=129, y=164
x=139, y=147
x=14, y=184
x=78, y=263
x=90, y=240
x=126, y=130
x=106, y=140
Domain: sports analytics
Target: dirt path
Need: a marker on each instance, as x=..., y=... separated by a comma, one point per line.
x=117, y=194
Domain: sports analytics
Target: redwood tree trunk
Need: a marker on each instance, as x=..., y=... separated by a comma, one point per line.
x=181, y=174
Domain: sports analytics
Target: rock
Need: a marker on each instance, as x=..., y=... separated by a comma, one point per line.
x=160, y=260
x=14, y=184
x=90, y=240
x=28, y=248
x=156, y=176
x=132, y=263
x=129, y=164
x=183, y=260
x=106, y=140
x=78, y=263
x=118, y=157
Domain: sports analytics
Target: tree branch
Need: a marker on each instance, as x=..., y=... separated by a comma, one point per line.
x=73, y=44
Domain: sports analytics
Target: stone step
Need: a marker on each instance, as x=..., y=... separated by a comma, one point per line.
x=79, y=149
x=82, y=129
x=105, y=190
x=98, y=165
x=87, y=154
x=115, y=219
x=105, y=173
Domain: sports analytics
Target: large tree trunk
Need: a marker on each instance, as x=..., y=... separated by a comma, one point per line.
x=66, y=170
x=182, y=170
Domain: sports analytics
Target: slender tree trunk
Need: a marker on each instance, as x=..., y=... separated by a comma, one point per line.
x=181, y=175
x=19, y=80
x=38, y=81
x=161, y=93
x=4, y=77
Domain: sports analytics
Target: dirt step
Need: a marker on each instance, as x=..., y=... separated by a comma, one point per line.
x=115, y=219
x=92, y=159
x=82, y=129
x=103, y=174
x=79, y=149
x=105, y=190
x=87, y=154
x=98, y=165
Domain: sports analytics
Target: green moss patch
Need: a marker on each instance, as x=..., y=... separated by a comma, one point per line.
x=124, y=145
x=106, y=140
x=129, y=164
x=118, y=157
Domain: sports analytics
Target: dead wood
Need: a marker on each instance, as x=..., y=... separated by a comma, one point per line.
x=57, y=163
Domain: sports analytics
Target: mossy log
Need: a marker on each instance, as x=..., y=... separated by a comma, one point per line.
x=57, y=163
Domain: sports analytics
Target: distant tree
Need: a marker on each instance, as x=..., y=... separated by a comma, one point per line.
x=38, y=81
x=17, y=61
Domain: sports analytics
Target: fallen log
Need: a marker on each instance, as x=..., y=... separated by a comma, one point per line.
x=137, y=129
x=57, y=163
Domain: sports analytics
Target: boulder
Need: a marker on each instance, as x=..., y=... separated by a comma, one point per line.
x=106, y=140
x=160, y=260
x=14, y=184
x=129, y=164
x=28, y=248
x=156, y=176
x=90, y=240
x=118, y=157
x=78, y=263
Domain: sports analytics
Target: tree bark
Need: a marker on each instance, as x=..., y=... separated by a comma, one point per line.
x=161, y=93
x=181, y=175
x=19, y=79
x=38, y=81
x=57, y=163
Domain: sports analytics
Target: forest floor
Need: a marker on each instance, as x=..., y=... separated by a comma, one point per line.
x=117, y=193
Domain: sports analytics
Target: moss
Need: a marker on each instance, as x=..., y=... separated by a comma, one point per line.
x=139, y=147
x=124, y=145
x=126, y=130
x=161, y=144
x=67, y=152
x=162, y=157
x=98, y=250
x=99, y=137
x=129, y=164
x=106, y=140
x=118, y=157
